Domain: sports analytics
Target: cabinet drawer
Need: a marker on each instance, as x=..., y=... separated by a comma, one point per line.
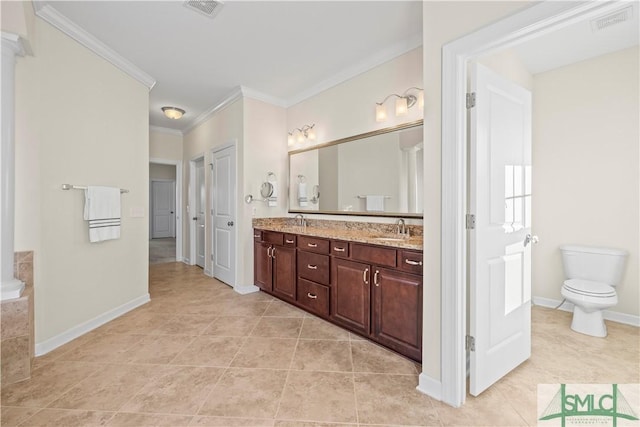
x=313, y=267
x=313, y=244
x=373, y=254
x=340, y=248
x=273, y=237
x=410, y=261
x=290, y=240
x=257, y=235
x=314, y=297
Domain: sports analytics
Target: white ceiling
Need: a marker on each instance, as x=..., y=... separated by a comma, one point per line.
x=579, y=42
x=285, y=50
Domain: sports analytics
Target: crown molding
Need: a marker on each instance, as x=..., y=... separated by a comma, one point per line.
x=169, y=131
x=254, y=94
x=357, y=69
x=236, y=93
x=49, y=14
x=13, y=42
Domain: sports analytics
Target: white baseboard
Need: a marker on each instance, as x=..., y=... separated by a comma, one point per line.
x=81, y=329
x=186, y=261
x=243, y=290
x=614, y=316
x=208, y=273
x=429, y=386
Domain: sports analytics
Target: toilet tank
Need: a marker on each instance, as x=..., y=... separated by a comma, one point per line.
x=598, y=264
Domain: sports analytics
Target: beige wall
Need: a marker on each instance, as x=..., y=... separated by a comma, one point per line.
x=443, y=22
x=97, y=139
x=223, y=128
x=265, y=150
x=157, y=171
x=586, y=170
x=164, y=145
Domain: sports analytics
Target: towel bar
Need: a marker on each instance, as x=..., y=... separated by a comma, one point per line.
x=364, y=197
x=83, y=187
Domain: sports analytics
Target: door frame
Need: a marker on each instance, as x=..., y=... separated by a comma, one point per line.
x=233, y=143
x=179, y=222
x=191, y=205
x=529, y=23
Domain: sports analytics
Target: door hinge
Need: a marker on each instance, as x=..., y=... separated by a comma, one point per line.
x=471, y=222
x=469, y=343
x=471, y=100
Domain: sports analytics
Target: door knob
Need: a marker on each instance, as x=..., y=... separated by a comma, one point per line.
x=195, y=218
x=230, y=223
x=171, y=211
x=530, y=239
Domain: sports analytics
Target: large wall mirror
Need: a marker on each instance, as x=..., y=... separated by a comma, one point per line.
x=378, y=173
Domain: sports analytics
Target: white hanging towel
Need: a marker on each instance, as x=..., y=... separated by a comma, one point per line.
x=273, y=199
x=374, y=203
x=102, y=210
x=302, y=194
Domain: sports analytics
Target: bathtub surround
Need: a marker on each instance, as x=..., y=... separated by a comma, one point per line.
x=17, y=326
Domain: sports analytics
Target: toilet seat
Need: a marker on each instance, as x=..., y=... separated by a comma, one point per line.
x=589, y=288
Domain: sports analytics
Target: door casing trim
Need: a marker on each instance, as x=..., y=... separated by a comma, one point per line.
x=179, y=217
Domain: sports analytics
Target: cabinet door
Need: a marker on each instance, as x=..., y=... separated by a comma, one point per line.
x=397, y=311
x=350, y=294
x=284, y=272
x=262, y=269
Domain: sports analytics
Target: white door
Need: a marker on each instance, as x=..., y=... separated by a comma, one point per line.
x=499, y=255
x=224, y=201
x=200, y=213
x=163, y=201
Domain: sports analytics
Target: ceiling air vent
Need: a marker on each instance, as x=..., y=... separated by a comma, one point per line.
x=612, y=19
x=208, y=8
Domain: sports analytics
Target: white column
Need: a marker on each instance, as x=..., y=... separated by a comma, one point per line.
x=10, y=287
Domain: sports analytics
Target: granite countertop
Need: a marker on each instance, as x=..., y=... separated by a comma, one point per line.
x=361, y=235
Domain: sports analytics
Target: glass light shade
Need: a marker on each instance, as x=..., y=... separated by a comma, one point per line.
x=173, y=112
x=311, y=134
x=421, y=100
x=300, y=137
x=381, y=113
x=290, y=140
x=401, y=106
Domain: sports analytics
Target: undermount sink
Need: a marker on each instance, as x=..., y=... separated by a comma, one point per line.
x=390, y=239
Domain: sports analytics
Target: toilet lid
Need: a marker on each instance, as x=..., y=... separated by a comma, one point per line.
x=587, y=287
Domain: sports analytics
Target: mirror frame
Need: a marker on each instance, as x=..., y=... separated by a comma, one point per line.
x=342, y=141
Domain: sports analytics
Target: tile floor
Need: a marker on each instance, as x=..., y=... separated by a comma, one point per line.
x=200, y=354
x=162, y=250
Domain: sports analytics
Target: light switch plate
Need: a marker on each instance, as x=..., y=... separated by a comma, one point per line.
x=136, y=212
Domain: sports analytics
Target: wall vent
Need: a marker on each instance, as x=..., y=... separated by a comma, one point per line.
x=612, y=19
x=208, y=8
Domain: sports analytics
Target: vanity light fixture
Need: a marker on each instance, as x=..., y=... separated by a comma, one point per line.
x=403, y=103
x=173, y=112
x=306, y=132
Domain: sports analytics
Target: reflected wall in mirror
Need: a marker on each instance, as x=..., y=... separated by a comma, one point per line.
x=379, y=173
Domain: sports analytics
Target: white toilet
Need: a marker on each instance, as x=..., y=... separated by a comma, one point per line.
x=591, y=273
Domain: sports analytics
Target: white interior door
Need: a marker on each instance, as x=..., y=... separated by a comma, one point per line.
x=200, y=213
x=163, y=201
x=224, y=201
x=499, y=254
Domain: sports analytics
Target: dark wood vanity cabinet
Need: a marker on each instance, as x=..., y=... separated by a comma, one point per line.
x=351, y=295
x=274, y=263
x=375, y=291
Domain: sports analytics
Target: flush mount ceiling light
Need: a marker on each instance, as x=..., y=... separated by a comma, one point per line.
x=403, y=103
x=173, y=112
x=302, y=134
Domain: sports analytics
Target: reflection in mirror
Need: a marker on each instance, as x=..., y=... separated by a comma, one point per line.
x=379, y=173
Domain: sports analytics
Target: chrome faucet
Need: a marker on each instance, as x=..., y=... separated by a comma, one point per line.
x=401, y=226
x=300, y=221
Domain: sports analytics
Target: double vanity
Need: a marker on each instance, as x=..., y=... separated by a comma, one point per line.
x=364, y=277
